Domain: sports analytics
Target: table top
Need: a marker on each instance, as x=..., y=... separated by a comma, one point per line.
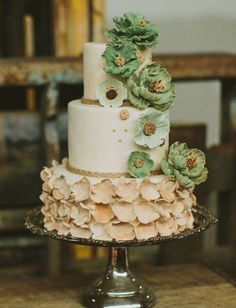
x=185, y=286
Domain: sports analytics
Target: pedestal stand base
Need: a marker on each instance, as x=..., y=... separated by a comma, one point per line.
x=119, y=288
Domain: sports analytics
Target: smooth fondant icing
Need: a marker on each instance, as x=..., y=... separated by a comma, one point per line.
x=100, y=141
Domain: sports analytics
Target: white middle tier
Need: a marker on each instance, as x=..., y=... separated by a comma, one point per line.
x=100, y=141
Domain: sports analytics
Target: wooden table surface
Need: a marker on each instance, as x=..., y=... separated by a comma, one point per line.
x=192, y=286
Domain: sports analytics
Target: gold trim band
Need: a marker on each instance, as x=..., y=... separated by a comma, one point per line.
x=111, y=175
x=88, y=101
x=97, y=174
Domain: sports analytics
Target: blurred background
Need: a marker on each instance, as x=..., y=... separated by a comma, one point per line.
x=41, y=71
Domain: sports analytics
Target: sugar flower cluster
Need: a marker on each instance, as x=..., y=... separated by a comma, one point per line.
x=148, y=84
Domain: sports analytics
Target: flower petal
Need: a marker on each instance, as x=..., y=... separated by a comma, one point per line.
x=127, y=190
x=124, y=211
x=145, y=231
x=103, y=192
x=79, y=232
x=83, y=216
x=164, y=226
x=102, y=213
x=149, y=190
x=81, y=190
x=121, y=232
x=146, y=212
x=99, y=232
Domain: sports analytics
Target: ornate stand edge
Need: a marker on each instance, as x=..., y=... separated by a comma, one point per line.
x=203, y=220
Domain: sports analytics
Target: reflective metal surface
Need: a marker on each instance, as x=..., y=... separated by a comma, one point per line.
x=119, y=288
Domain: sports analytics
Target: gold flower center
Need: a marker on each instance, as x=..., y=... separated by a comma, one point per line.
x=138, y=163
x=140, y=56
x=191, y=161
x=111, y=94
x=119, y=61
x=141, y=24
x=157, y=86
x=149, y=129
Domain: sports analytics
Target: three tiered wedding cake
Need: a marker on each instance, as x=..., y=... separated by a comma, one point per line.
x=121, y=180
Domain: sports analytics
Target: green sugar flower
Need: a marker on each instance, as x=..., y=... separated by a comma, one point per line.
x=111, y=93
x=121, y=60
x=134, y=27
x=152, y=129
x=187, y=166
x=152, y=87
x=140, y=164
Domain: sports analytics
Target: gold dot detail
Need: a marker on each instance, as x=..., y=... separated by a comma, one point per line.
x=124, y=114
x=114, y=130
x=126, y=130
x=119, y=140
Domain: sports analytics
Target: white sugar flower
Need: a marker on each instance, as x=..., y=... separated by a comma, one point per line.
x=111, y=93
x=152, y=129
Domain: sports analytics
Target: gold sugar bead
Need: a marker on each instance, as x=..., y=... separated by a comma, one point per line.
x=124, y=114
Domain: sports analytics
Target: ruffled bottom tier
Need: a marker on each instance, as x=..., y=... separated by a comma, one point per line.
x=114, y=209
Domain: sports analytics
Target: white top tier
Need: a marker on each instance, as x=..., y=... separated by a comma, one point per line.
x=94, y=64
x=93, y=68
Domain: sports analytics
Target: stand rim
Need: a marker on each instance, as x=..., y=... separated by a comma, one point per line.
x=203, y=219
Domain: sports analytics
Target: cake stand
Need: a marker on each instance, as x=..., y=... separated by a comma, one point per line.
x=119, y=287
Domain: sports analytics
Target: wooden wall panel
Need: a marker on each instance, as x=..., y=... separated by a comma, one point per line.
x=97, y=17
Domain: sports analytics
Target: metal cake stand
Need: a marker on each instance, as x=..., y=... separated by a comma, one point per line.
x=119, y=287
